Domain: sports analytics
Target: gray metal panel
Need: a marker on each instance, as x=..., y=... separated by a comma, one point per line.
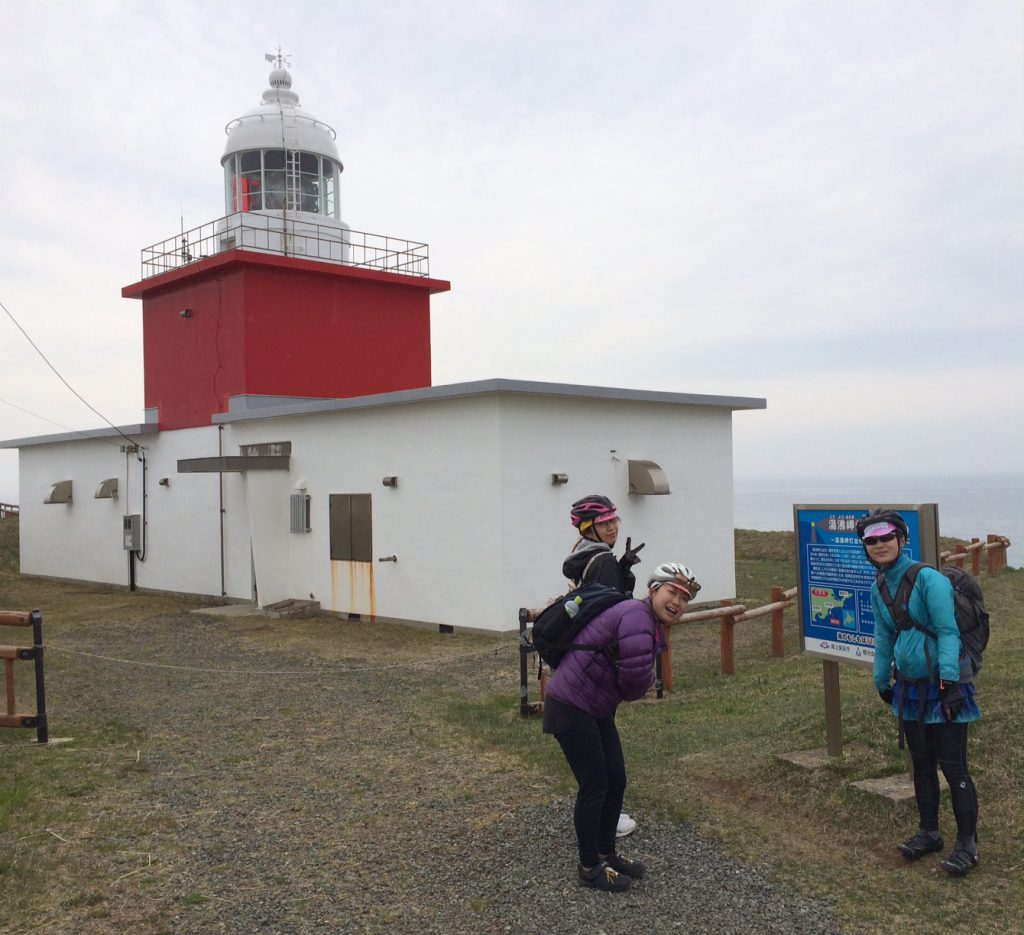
x=299, y=518
x=493, y=387
x=362, y=528
x=264, y=449
x=233, y=463
x=341, y=527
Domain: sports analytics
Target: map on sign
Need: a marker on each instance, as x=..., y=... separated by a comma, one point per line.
x=835, y=579
x=833, y=607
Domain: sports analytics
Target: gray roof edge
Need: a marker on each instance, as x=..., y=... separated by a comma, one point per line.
x=143, y=428
x=487, y=387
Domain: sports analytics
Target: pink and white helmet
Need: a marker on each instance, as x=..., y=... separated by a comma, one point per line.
x=675, y=575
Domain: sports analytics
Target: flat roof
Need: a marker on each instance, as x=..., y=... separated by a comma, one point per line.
x=145, y=428
x=264, y=407
x=266, y=410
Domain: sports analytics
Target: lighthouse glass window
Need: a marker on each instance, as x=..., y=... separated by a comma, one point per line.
x=329, y=189
x=275, y=188
x=259, y=181
x=251, y=178
x=309, y=182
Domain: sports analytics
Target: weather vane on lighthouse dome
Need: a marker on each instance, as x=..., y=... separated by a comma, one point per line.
x=279, y=58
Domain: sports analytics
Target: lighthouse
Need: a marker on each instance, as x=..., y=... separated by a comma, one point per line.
x=294, y=451
x=279, y=300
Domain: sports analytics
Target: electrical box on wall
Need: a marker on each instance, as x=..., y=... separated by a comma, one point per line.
x=132, y=532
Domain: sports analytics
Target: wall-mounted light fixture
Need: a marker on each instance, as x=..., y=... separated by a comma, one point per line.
x=557, y=479
x=164, y=482
x=185, y=313
x=390, y=480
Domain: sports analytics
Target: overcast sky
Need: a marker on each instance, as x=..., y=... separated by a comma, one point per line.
x=815, y=203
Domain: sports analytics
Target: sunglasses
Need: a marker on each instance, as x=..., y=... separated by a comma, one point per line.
x=874, y=540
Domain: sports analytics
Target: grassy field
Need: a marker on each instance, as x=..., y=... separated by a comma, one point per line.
x=707, y=754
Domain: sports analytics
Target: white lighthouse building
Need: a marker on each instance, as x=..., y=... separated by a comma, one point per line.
x=290, y=448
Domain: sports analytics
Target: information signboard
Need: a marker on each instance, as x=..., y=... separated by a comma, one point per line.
x=834, y=594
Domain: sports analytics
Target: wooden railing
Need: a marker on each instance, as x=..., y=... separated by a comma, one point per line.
x=994, y=548
x=12, y=654
x=9, y=509
x=729, y=613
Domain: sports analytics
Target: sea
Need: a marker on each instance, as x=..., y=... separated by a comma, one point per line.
x=969, y=505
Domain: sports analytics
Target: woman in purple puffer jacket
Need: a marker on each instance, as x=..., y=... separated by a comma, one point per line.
x=582, y=696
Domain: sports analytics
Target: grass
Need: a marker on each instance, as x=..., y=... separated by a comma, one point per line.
x=78, y=821
x=708, y=753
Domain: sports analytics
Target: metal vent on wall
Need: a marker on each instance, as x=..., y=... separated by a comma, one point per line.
x=107, y=489
x=299, y=512
x=60, y=492
x=646, y=477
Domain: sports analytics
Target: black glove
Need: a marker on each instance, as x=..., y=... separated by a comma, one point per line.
x=885, y=694
x=952, y=699
x=629, y=558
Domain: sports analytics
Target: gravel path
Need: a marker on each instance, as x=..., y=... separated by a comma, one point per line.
x=333, y=804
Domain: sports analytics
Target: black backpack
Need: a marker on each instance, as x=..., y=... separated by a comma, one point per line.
x=968, y=606
x=561, y=622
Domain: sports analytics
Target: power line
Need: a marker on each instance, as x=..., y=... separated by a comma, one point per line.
x=59, y=425
x=29, y=412
x=17, y=324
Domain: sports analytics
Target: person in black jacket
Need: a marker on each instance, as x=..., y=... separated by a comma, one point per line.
x=592, y=560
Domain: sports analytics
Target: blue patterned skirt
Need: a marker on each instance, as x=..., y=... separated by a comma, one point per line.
x=909, y=693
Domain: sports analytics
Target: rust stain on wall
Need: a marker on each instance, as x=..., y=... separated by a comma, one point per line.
x=362, y=589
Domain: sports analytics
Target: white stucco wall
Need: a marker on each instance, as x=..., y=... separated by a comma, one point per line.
x=441, y=518
x=477, y=526
x=84, y=540
x=592, y=442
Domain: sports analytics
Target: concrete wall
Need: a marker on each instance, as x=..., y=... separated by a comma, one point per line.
x=83, y=539
x=441, y=520
x=592, y=442
x=477, y=526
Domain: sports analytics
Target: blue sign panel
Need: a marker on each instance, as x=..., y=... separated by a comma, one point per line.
x=835, y=580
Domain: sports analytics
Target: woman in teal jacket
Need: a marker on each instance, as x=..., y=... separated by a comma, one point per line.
x=932, y=696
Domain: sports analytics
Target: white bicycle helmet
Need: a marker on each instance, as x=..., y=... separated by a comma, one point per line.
x=674, y=573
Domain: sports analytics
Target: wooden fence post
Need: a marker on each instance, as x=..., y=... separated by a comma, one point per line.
x=975, y=558
x=778, y=637
x=993, y=559
x=725, y=637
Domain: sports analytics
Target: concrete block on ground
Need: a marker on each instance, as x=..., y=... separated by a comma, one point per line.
x=815, y=759
x=293, y=607
x=898, y=788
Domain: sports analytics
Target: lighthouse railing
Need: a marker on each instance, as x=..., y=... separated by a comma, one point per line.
x=297, y=235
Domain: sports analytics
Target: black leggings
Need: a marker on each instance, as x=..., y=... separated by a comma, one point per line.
x=935, y=746
x=594, y=754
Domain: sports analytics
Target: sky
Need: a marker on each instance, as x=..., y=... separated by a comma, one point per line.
x=818, y=204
